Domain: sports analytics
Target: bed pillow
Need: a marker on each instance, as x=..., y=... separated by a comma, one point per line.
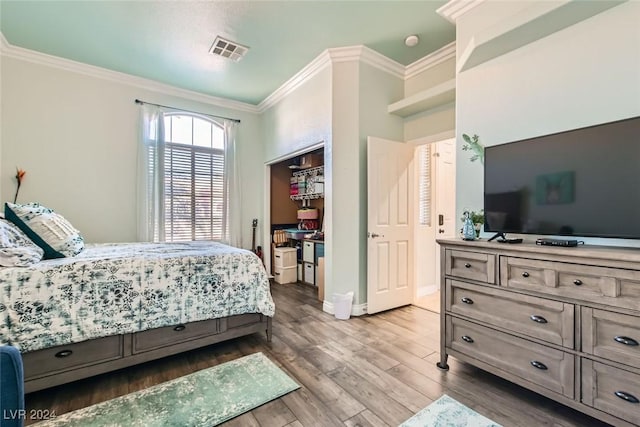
x=16, y=250
x=47, y=229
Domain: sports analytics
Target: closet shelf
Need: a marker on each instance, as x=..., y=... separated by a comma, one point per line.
x=428, y=99
x=312, y=179
x=527, y=26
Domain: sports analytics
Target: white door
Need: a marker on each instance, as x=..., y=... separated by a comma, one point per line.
x=390, y=201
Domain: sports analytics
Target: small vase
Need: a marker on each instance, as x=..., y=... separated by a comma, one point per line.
x=478, y=228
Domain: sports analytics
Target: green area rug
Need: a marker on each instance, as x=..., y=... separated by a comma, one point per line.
x=204, y=398
x=448, y=412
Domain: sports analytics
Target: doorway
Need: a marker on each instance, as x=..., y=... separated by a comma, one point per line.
x=434, y=217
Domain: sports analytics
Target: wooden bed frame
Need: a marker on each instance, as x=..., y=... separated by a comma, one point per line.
x=62, y=364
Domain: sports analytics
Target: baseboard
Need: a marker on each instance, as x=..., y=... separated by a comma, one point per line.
x=427, y=290
x=356, y=309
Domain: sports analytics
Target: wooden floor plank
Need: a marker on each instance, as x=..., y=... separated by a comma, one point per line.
x=365, y=419
x=376, y=399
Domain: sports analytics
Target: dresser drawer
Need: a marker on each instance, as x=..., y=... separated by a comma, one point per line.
x=72, y=356
x=471, y=265
x=603, y=285
x=535, y=363
x=547, y=320
x=160, y=337
x=611, y=390
x=613, y=336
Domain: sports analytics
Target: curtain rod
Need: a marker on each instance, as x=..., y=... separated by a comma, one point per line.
x=139, y=101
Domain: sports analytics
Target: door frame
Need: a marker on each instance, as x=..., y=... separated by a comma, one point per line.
x=431, y=139
x=266, y=213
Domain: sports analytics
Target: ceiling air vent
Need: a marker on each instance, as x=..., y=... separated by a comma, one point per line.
x=228, y=49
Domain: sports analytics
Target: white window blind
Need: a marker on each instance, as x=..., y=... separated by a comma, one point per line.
x=194, y=179
x=424, y=184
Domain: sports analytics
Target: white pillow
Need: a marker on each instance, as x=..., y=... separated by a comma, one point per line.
x=47, y=229
x=16, y=250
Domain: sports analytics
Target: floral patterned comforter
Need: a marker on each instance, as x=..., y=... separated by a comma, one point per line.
x=111, y=289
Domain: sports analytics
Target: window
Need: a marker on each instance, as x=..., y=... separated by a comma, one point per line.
x=424, y=184
x=194, y=202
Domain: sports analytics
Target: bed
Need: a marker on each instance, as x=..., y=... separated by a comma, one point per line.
x=116, y=305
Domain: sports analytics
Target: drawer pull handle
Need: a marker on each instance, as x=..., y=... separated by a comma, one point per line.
x=179, y=328
x=538, y=319
x=277, y=256
x=626, y=396
x=525, y=274
x=467, y=300
x=63, y=353
x=626, y=341
x=468, y=339
x=539, y=365
x=467, y=265
x=577, y=282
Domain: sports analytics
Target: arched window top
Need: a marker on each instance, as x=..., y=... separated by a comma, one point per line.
x=194, y=130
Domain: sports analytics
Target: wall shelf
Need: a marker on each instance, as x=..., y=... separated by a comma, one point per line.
x=425, y=100
x=527, y=26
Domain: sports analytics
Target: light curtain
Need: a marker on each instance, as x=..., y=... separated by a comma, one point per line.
x=150, y=191
x=232, y=222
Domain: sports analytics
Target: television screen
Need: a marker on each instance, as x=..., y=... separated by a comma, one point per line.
x=583, y=182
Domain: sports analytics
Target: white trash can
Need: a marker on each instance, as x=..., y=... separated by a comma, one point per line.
x=342, y=305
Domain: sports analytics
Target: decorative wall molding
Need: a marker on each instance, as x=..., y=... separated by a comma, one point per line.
x=10, y=51
x=454, y=9
x=298, y=79
x=367, y=56
x=327, y=57
x=443, y=54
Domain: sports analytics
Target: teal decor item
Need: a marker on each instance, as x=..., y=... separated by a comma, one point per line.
x=472, y=143
x=468, y=229
x=448, y=412
x=203, y=399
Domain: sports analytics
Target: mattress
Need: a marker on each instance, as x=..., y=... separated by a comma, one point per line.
x=111, y=289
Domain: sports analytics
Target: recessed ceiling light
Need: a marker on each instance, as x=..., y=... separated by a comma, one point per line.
x=228, y=49
x=411, y=40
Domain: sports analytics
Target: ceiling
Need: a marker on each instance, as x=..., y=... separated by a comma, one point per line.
x=169, y=41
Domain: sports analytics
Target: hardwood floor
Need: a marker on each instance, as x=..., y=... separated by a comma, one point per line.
x=368, y=371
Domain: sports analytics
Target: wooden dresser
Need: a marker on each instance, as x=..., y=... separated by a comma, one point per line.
x=563, y=322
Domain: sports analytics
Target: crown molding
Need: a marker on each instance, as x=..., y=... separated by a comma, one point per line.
x=454, y=9
x=10, y=51
x=308, y=72
x=331, y=56
x=443, y=54
x=367, y=56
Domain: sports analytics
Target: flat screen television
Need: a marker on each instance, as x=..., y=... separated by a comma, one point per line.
x=583, y=182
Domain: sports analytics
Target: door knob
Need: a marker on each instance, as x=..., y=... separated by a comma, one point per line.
x=441, y=231
x=374, y=235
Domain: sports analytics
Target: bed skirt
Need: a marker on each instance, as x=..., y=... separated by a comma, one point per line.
x=66, y=363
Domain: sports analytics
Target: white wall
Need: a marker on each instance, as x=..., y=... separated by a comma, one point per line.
x=300, y=119
x=586, y=74
x=76, y=137
x=435, y=121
